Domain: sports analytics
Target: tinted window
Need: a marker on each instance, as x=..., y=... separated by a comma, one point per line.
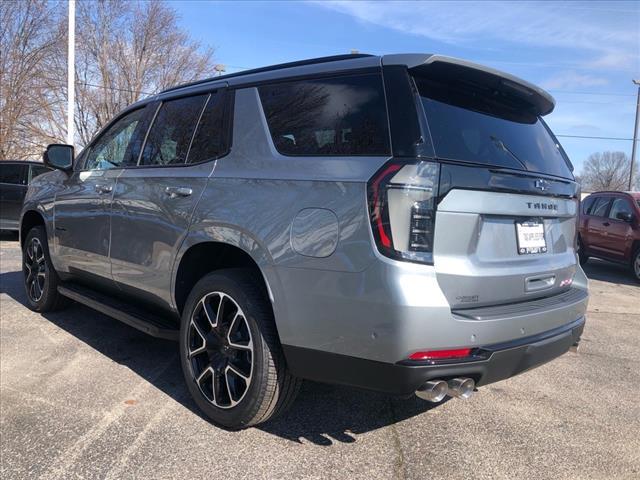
x=170, y=135
x=331, y=116
x=38, y=170
x=208, y=140
x=13, y=174
x=599, y=208
x=473, y=126
x=119, y=145
x=620, y=205
x=586, y=204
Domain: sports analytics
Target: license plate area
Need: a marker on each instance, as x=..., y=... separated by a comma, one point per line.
x=530, y=235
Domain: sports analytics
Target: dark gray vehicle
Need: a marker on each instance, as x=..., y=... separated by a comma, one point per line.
x=404, y=223
x=15, y=176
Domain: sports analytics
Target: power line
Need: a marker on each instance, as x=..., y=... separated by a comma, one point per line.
x=87, y=84
x=115, y=88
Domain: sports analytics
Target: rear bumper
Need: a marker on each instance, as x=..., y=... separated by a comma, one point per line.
x=503, y=361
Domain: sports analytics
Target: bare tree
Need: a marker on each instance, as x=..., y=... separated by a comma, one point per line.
x=606, y=171
x=30, y=35
x=126, y=51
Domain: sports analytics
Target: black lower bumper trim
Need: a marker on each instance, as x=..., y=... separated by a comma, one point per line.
x=505, y=360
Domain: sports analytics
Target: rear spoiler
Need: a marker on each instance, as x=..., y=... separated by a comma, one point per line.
x=445, y=69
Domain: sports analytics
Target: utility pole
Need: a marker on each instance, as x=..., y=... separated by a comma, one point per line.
x=71, y=61
x=635, y=137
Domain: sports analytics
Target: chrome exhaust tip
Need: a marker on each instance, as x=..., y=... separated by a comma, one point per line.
x=433, y=391
x=461, y=387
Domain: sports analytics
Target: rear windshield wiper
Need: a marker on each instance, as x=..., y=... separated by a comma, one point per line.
x=501, y=145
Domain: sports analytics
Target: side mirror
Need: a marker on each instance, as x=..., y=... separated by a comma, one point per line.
x=625, y=216
x=60, y=156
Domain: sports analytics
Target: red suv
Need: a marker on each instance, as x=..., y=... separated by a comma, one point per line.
x=610, y=228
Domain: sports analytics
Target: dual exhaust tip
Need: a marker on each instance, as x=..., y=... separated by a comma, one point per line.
x=436, y=390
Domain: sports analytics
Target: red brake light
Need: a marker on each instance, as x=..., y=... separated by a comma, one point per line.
x=441, y=354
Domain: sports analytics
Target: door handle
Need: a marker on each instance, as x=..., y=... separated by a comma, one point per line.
x=606, y=224
x=174, y=192
x=104, y=188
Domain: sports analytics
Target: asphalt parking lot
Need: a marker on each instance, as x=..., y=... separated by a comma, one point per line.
x=84, y=396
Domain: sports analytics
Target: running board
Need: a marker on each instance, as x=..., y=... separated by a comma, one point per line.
x=131, y=315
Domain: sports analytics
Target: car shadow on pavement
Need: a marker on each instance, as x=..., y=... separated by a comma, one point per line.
x=322, y=414
x=609, y=272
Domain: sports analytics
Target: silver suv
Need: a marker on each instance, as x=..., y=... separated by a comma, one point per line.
x=404, y=223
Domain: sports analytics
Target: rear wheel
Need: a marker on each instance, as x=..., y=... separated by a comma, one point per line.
x=40, y=278
x=635, y=264
x=231, y=357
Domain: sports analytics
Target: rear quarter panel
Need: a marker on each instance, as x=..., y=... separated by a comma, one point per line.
x=253, y=197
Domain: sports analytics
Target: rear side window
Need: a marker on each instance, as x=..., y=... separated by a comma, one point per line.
x=13, y=174
x=208, y=141
x=328, y=116
x=470, y=125
x=172, y=130
x=599, y=207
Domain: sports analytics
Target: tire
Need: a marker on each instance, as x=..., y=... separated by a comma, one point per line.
x=231, y=356
x=635, y=264
x=582, y=257
x=40, y=278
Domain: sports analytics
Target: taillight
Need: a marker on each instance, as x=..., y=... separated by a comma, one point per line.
x=402, y=207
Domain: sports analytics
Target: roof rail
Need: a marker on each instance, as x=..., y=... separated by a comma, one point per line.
x=299, y=63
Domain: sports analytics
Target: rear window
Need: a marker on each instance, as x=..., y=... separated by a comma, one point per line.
x=208, y=140
x=328, y=116
x=470, y=125
x=170, y=135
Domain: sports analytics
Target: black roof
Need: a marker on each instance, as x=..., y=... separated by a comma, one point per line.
x=280, y=66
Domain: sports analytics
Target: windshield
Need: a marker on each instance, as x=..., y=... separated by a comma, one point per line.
x=473, y=126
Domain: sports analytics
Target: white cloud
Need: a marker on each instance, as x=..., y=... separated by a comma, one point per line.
x=609, y=33
x=572, y=79
x=617, y=60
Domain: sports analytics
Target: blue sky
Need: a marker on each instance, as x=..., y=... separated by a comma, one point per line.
x=584, y=53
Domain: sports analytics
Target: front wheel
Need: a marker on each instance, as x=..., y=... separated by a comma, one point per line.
x=635, y=264
x=40, y=278
x=231, y=356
